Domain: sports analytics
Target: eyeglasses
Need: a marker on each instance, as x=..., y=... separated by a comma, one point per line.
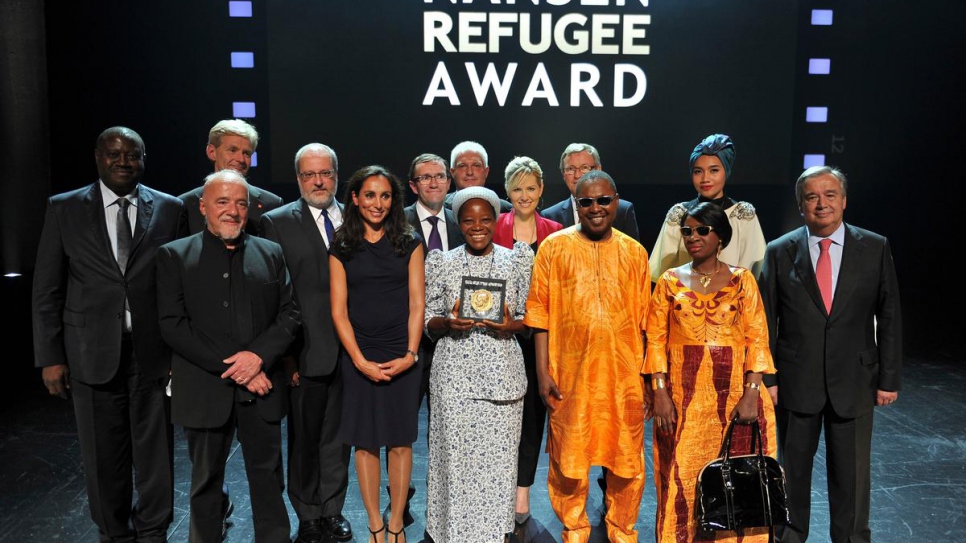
x=309, y=176
x=427, y=177
x=571, y=170
x=474, y=166
x=686, y=231
x=601, y=201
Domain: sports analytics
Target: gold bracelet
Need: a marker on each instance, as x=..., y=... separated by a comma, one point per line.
x=657, y=383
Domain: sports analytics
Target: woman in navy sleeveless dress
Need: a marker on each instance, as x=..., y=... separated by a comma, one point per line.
x=378, y=298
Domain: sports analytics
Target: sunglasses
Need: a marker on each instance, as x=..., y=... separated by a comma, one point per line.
x=686, y=231
x=601, y=201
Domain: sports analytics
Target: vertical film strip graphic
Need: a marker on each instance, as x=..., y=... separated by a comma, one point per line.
x=821, y=21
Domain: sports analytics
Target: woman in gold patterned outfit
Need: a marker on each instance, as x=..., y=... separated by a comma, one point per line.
x=707, y=347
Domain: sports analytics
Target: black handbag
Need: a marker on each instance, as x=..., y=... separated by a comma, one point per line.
x=742, y=491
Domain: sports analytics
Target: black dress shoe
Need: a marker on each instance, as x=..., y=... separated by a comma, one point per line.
x=227, y=508
x=338, y=527
x=311, y=531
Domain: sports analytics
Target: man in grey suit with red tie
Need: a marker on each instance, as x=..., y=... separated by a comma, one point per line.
x=96, y=335
x=832, y=299
x=318, y=460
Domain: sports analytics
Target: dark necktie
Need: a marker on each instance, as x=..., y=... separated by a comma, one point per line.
x=434, y=240
x=329, y=228
x=823, y=273
x=123, y=234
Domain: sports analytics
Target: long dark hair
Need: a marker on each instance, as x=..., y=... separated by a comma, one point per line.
x=349, y=237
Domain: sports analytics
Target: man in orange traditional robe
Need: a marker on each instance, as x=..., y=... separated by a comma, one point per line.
x=588, y=305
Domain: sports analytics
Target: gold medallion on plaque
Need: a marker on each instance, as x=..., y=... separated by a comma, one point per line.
x=481, y=301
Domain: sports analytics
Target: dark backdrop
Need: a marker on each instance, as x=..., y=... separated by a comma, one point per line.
x=895, y=121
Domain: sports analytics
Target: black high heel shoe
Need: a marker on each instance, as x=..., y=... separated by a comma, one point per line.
x=395, y=535
x=373, y=533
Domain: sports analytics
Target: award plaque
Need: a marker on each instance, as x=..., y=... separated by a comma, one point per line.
x=482, y=299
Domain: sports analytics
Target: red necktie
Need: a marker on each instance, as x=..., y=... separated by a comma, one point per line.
x=823, y=273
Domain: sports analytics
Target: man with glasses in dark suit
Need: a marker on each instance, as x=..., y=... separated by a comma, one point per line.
x=576, y=160
x=318, y=460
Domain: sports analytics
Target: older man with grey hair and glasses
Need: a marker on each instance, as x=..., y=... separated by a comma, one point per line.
x=576, y=160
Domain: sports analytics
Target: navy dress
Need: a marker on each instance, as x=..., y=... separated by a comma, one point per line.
x=384, y=414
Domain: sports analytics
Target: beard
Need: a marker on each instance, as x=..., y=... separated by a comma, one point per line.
x=319, y=199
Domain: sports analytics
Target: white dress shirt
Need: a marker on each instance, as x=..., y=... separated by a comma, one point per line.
x=335, y=215
x=423, y=213
x=109, y=200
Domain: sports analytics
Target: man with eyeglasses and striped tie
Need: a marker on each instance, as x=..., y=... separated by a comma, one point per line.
x=576, y=160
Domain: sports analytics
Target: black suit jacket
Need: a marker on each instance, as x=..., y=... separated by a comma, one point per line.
x=193, y=321
x=625, y=221
x=293, y=226
x=260, y=201
x=843, y=356
x=78, y=288
x=454, y=238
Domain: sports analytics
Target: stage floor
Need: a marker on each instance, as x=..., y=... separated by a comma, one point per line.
x=918, y=473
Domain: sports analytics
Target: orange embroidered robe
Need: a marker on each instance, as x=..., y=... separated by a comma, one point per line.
x=705, y=343
x=592, y=299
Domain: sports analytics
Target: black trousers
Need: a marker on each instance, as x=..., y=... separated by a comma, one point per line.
x=534, y=418
x=848, y=448
x=261, y=445
x=318, y=460
x=122, y=425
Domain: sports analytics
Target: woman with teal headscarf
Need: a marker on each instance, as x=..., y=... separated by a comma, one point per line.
x=710, y=167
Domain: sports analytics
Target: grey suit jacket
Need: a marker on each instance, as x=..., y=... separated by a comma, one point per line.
x=79, y=291
x=842, y=357
x=625, y=221
x=316, y=346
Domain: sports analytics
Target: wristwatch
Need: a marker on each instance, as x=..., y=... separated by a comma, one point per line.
x=415, y=356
